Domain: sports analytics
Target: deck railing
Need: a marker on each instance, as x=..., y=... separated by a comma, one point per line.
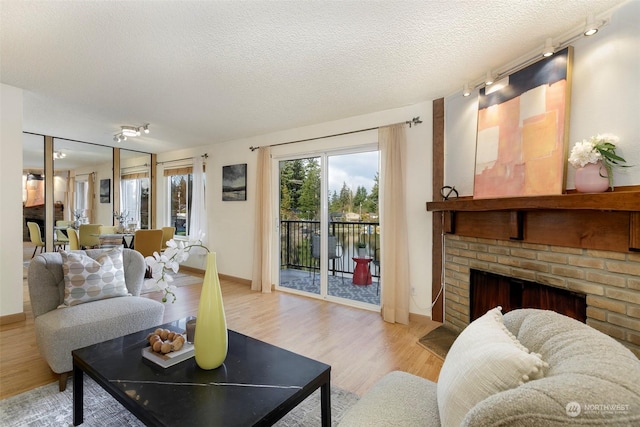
x=296, y=237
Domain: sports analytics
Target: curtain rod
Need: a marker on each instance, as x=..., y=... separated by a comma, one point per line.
x=144, y=165
x=415, y=121
x=204, y=156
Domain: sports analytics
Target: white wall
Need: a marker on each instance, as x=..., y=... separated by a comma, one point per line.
x=11, y=300
x=231, y=224
x=605, y=99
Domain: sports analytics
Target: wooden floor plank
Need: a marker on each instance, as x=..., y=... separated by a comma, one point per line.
x=358, y=344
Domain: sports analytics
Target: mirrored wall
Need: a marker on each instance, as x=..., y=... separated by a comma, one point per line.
x=82, y=187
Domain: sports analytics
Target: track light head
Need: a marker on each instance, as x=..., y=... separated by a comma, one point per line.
x=591, y=26
x=548, y=49
x=489, y=79
x=466, y=90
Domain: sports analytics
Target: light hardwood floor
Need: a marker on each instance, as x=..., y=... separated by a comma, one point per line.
x=358, y=344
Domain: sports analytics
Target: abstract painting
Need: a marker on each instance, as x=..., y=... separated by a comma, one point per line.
x=523, y=127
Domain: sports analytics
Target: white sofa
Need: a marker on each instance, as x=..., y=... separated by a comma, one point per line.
x=61, y=330
x=584, y=378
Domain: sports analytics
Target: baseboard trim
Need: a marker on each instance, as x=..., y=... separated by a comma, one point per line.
x=192, y=269
x=221, y=276
x=420, y=317
x=12, y=318
x=235, y=279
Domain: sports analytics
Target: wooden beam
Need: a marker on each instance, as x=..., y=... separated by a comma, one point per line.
x=437, y=312
x=49, y=202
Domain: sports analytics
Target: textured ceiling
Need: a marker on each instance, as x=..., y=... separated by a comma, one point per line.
x=202, y=72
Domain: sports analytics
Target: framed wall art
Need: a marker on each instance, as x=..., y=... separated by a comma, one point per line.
x=523, y=130
x=234, y=183
x=105, y=191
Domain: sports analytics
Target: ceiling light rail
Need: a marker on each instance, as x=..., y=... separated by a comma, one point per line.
x=413, y=122
x=130, y=132
x=550, y=47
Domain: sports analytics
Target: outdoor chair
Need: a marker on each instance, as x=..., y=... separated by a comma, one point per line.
x=335, y=253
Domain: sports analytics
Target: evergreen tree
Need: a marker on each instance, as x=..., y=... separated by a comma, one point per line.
x=372, y=199
x=360, y=199
x=309, y=201
x=346, y=198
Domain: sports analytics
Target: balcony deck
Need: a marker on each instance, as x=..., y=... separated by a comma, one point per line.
x=338, y=286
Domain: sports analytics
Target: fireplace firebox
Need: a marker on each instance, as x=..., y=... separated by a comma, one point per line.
x=488, y=290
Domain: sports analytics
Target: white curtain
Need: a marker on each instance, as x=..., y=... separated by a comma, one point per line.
x=261, y=280
x=394, y=250
x=131, y=199
x=197, y=213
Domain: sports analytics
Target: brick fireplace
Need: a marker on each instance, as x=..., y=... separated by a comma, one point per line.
x=609, y=279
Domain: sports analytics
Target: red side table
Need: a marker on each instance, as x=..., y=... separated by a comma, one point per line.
x=362, y=274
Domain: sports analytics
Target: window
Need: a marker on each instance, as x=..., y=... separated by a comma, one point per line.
x=134, y=198
x=81, y=204
x=180, y=187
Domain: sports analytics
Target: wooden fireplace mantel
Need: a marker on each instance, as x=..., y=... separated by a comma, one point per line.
x=604, y=221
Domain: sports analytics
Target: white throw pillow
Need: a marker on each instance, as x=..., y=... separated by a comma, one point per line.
x=484, y=360
x=87, y=279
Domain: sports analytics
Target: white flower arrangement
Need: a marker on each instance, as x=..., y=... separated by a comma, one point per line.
x=121, y=217
x=170, y=260
x=601, y=147
x=78, y=214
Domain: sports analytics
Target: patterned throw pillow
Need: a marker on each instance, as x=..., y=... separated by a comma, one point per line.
x=88, y=279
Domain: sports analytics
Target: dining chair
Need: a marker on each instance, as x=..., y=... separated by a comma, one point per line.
x=61, y=233
x=148, y=241
x=74, y=243
x=87, y=235
x=167, y=234
x=36, y=237
x=108, y=229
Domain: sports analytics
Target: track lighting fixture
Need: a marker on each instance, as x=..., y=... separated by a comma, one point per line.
x=130, y=131
x=593, y=25
x=57, y=155
x=548, y=49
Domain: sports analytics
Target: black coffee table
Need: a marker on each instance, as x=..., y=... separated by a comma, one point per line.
x=257, y=385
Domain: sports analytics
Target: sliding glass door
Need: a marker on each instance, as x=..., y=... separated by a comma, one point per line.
x=328, y=207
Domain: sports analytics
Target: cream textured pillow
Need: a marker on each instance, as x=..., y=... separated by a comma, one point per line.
x=87, y=279
x=484, y=360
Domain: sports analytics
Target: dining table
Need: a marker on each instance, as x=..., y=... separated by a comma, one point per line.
x=115, y=239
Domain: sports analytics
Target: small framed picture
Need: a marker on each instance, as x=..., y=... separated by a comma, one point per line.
x=234, y=183
x=105, y=191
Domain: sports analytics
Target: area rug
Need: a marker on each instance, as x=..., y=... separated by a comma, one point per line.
x=439, y=341
x=46, y=406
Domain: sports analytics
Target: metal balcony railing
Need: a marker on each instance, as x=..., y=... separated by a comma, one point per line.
x=296, y=236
